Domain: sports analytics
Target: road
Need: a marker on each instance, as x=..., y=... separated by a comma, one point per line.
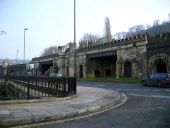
x=147, y=107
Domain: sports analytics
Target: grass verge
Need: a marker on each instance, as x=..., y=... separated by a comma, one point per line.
x=113, y=79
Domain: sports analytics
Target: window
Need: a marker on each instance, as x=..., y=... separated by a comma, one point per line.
x=163, y=75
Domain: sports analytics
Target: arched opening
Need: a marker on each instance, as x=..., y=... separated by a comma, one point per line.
x=161, y=67
x=81, y=71
x=127, y=69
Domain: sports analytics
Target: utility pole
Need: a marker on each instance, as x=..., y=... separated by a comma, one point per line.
x=74, y=38
x=24, y=45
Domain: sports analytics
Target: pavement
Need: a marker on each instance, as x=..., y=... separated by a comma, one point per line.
x=33, y=113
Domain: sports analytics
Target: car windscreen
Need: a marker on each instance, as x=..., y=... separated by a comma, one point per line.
x=163, y=75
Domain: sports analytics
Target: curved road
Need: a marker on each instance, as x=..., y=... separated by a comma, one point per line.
x=147, y=107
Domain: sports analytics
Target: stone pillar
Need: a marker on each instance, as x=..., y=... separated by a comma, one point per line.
x=118, y=69
x=134, y=69
x=122, y=73
x=84, y=72
x=118, y=63
x=71, y=71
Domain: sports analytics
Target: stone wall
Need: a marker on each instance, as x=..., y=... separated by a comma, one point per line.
x=127, y=57
x=135, y=54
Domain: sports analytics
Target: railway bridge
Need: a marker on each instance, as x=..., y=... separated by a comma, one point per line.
x=136, y=56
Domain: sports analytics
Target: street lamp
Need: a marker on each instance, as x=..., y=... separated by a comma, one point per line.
x=74, y=38
x=24, y=44
x=74, y=22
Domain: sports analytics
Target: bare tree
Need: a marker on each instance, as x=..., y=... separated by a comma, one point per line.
x=50, y=50
x=88, y=40
x=120, y=35
x=107, y=30
x=136, y=29
x=156, y=22
x=148, y=26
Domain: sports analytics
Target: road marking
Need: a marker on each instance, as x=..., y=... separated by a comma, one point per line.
x=118, y=89
x=150, y=96
x=127, y=89
x=156, y=90
x=160, y=107
x=167, y=90
x=136, y=89
x=146, y=89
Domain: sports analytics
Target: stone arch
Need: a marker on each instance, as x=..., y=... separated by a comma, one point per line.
x=158, y=63
x=128, y=69
x=160, y=66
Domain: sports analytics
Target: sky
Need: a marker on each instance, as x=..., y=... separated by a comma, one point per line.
x=51, y=22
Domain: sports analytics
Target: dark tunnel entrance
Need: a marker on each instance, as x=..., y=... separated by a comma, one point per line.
x=161, y=67
x=45, y=67
x=102, y=64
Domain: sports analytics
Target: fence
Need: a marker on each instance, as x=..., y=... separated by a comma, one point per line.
x=27, y=87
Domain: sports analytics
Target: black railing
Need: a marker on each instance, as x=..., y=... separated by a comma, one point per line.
x=27, y=87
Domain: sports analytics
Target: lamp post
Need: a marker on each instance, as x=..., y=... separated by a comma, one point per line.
x=24, y=45
x=74, y=38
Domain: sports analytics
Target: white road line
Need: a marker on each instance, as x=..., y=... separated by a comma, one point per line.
x=147, y=90
x=127, y=89
x=167, y=90
x=136, y=89
x=156, y=90
x=152, y=96
x=118, y=89
x=160, y=107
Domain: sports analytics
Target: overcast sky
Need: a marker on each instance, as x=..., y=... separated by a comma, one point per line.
x=50, y=22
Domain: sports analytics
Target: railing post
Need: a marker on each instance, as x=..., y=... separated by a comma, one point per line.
x=28, y=88
x=69, y=85
x=6, y=86
x=75, y=85
x=64, y=85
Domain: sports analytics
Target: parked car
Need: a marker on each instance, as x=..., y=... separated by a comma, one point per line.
x=157, y=79
x=56, y=75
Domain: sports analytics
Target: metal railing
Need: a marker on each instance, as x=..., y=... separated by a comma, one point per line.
x=28, y=87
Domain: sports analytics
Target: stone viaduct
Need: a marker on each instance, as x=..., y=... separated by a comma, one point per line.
x=136, y=56
x=131, y=57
